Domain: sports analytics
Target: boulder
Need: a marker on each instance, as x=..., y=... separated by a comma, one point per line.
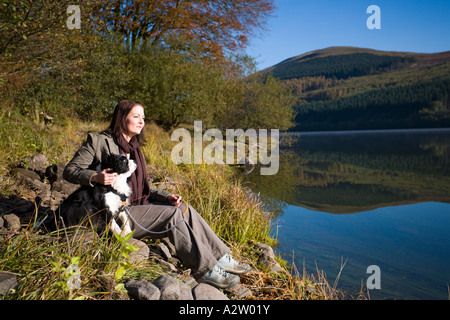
x=24, y=175
x=143, y=251
x=267, y=258
x=185, y=291
x=204, y=291
x=11, y=222
x=8, y=281
x=173, y=289
x=64, y=187
x=36, y=162
x=142, y=290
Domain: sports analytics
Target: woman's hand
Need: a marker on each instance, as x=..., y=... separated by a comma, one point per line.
x=104, y=177
x=174, y=199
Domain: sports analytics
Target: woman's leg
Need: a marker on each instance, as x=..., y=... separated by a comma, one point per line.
x=196, y=244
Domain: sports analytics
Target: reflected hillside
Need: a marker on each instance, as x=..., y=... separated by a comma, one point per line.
x=352, y=172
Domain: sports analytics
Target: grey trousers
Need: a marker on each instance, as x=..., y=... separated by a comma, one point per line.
x=196, y=244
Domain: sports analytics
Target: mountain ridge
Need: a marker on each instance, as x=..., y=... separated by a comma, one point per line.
x=351, y=88
x=343, y=50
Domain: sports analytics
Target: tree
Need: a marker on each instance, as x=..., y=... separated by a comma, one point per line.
x=44, y=66
x=178, y=86
x=265, y=103
x=23, y=19
x=217, y=25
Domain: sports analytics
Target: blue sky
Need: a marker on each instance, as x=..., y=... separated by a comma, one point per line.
x=299, y=26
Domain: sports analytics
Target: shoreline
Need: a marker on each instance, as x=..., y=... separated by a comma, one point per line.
x=370, y=131
x=212, y=189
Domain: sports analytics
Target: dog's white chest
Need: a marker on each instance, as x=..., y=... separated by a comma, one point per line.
x=113, y=202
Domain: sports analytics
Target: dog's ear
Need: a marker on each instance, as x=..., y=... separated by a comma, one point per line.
x=107, y=161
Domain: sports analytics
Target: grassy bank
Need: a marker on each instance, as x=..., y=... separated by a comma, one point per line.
x=41, y=261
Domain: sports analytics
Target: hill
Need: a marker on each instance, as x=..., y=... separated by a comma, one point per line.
x=349, y=88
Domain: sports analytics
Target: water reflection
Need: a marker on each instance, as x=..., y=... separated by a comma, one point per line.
x=370, y=197
x=348, y=173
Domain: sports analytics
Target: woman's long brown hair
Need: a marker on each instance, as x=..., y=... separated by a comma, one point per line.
x=118, y=122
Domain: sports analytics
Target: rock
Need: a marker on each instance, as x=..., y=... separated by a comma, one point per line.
x=8, y=281
x=204, y=291
x=185, y=291
x=29, y=177
x=164, y=250
x=169, y=287
x=267, y=258
x=44, y=196
x=64, y=187
x=166, y=264
x=39, y=186
x=56, y=199
x=143, y=251
x=173, y=289
x=36, y=163
x=265, y=249
x=142, y=290
x=190, y=281
x=54, y=174
x=170, y=246
x=5, y=205
x=11, y=222
x=239, y=291
x=24, y=175
x=165, y=287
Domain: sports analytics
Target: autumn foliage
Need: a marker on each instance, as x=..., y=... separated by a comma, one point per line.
x=217, y=25
x=183, y=60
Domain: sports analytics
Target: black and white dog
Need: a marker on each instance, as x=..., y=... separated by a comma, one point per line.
x=97, y=206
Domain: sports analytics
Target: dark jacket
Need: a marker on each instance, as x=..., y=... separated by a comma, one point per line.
x=88, y=158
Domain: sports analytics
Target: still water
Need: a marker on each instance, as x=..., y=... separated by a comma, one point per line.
x=365, y=198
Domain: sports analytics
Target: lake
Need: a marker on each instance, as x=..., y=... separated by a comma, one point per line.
x=365, y=198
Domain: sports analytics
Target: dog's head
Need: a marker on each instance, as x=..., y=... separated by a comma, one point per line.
x=117, y=162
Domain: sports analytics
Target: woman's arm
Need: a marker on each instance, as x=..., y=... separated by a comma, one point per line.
x=78, y=169
x=159, y=195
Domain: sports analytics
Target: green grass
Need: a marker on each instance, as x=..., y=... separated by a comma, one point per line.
x=45, y=264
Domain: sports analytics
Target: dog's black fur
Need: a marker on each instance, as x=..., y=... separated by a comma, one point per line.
x=87, y=205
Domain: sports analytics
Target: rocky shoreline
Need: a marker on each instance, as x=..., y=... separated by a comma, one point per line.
x=47, y=189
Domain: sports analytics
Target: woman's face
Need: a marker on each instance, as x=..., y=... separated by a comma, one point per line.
x=135, y=121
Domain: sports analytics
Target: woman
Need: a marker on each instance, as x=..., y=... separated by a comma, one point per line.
x=151, y=209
